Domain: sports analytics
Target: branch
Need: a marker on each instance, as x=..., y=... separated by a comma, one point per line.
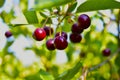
x=84, y=74
x=85, y=70
x=110, y=57
x=104, y=62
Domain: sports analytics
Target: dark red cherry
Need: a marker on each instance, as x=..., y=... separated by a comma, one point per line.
x=60, y=42
x=106, y=52
x=75, y=38
x=50, y=44
x=48, y=30
x=64, y=34
x=8, y=34
x=76, y=29
x=84, y=21
x=39, y=34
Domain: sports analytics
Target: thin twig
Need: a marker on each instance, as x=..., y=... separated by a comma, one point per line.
x=60, y=22
x=84, y=74
x=104, y=62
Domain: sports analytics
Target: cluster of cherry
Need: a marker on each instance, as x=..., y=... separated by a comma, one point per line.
x=60, y=40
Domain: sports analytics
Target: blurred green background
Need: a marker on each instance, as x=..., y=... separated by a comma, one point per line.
x=23, y=58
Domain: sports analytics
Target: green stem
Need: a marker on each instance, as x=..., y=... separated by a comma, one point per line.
x=60, y=23
x=45, y=22
x=62, y=19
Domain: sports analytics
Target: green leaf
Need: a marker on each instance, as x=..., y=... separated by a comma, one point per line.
x=67, y=25
x=70, y=52
x=112, y=46
x=31, y=17
x=117, y=60
x=68, y=75
x=7, y=17
x=43, y=15
x=72, y=7
x=2, y=2
x=45, y=75
x=119, y=71
x=92, y=5
x=42, y=4
x=33, y=77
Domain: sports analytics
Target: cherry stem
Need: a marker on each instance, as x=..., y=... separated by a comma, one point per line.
x=45, y=22
x=60, y=23
x=50, y=30
x=62, y=19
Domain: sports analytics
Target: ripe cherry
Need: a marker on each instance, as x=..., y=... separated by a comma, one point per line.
x=84, y=21
x=39, y=34
x=50, y=44
x=48, y=30
x=60, y=42
x=8, y=34
x=75, y=38
x=76, y=29
x=64, y=34
x=106, y=52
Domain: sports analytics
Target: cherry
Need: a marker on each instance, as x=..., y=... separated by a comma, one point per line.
x=84, y=21
x=48, y=30
x=50, y=44
x=76, y=29
x=60, y=42
x=8, y=34
x=75, y=38
x=39, y=34
x=106, y=52
x=64, y=34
